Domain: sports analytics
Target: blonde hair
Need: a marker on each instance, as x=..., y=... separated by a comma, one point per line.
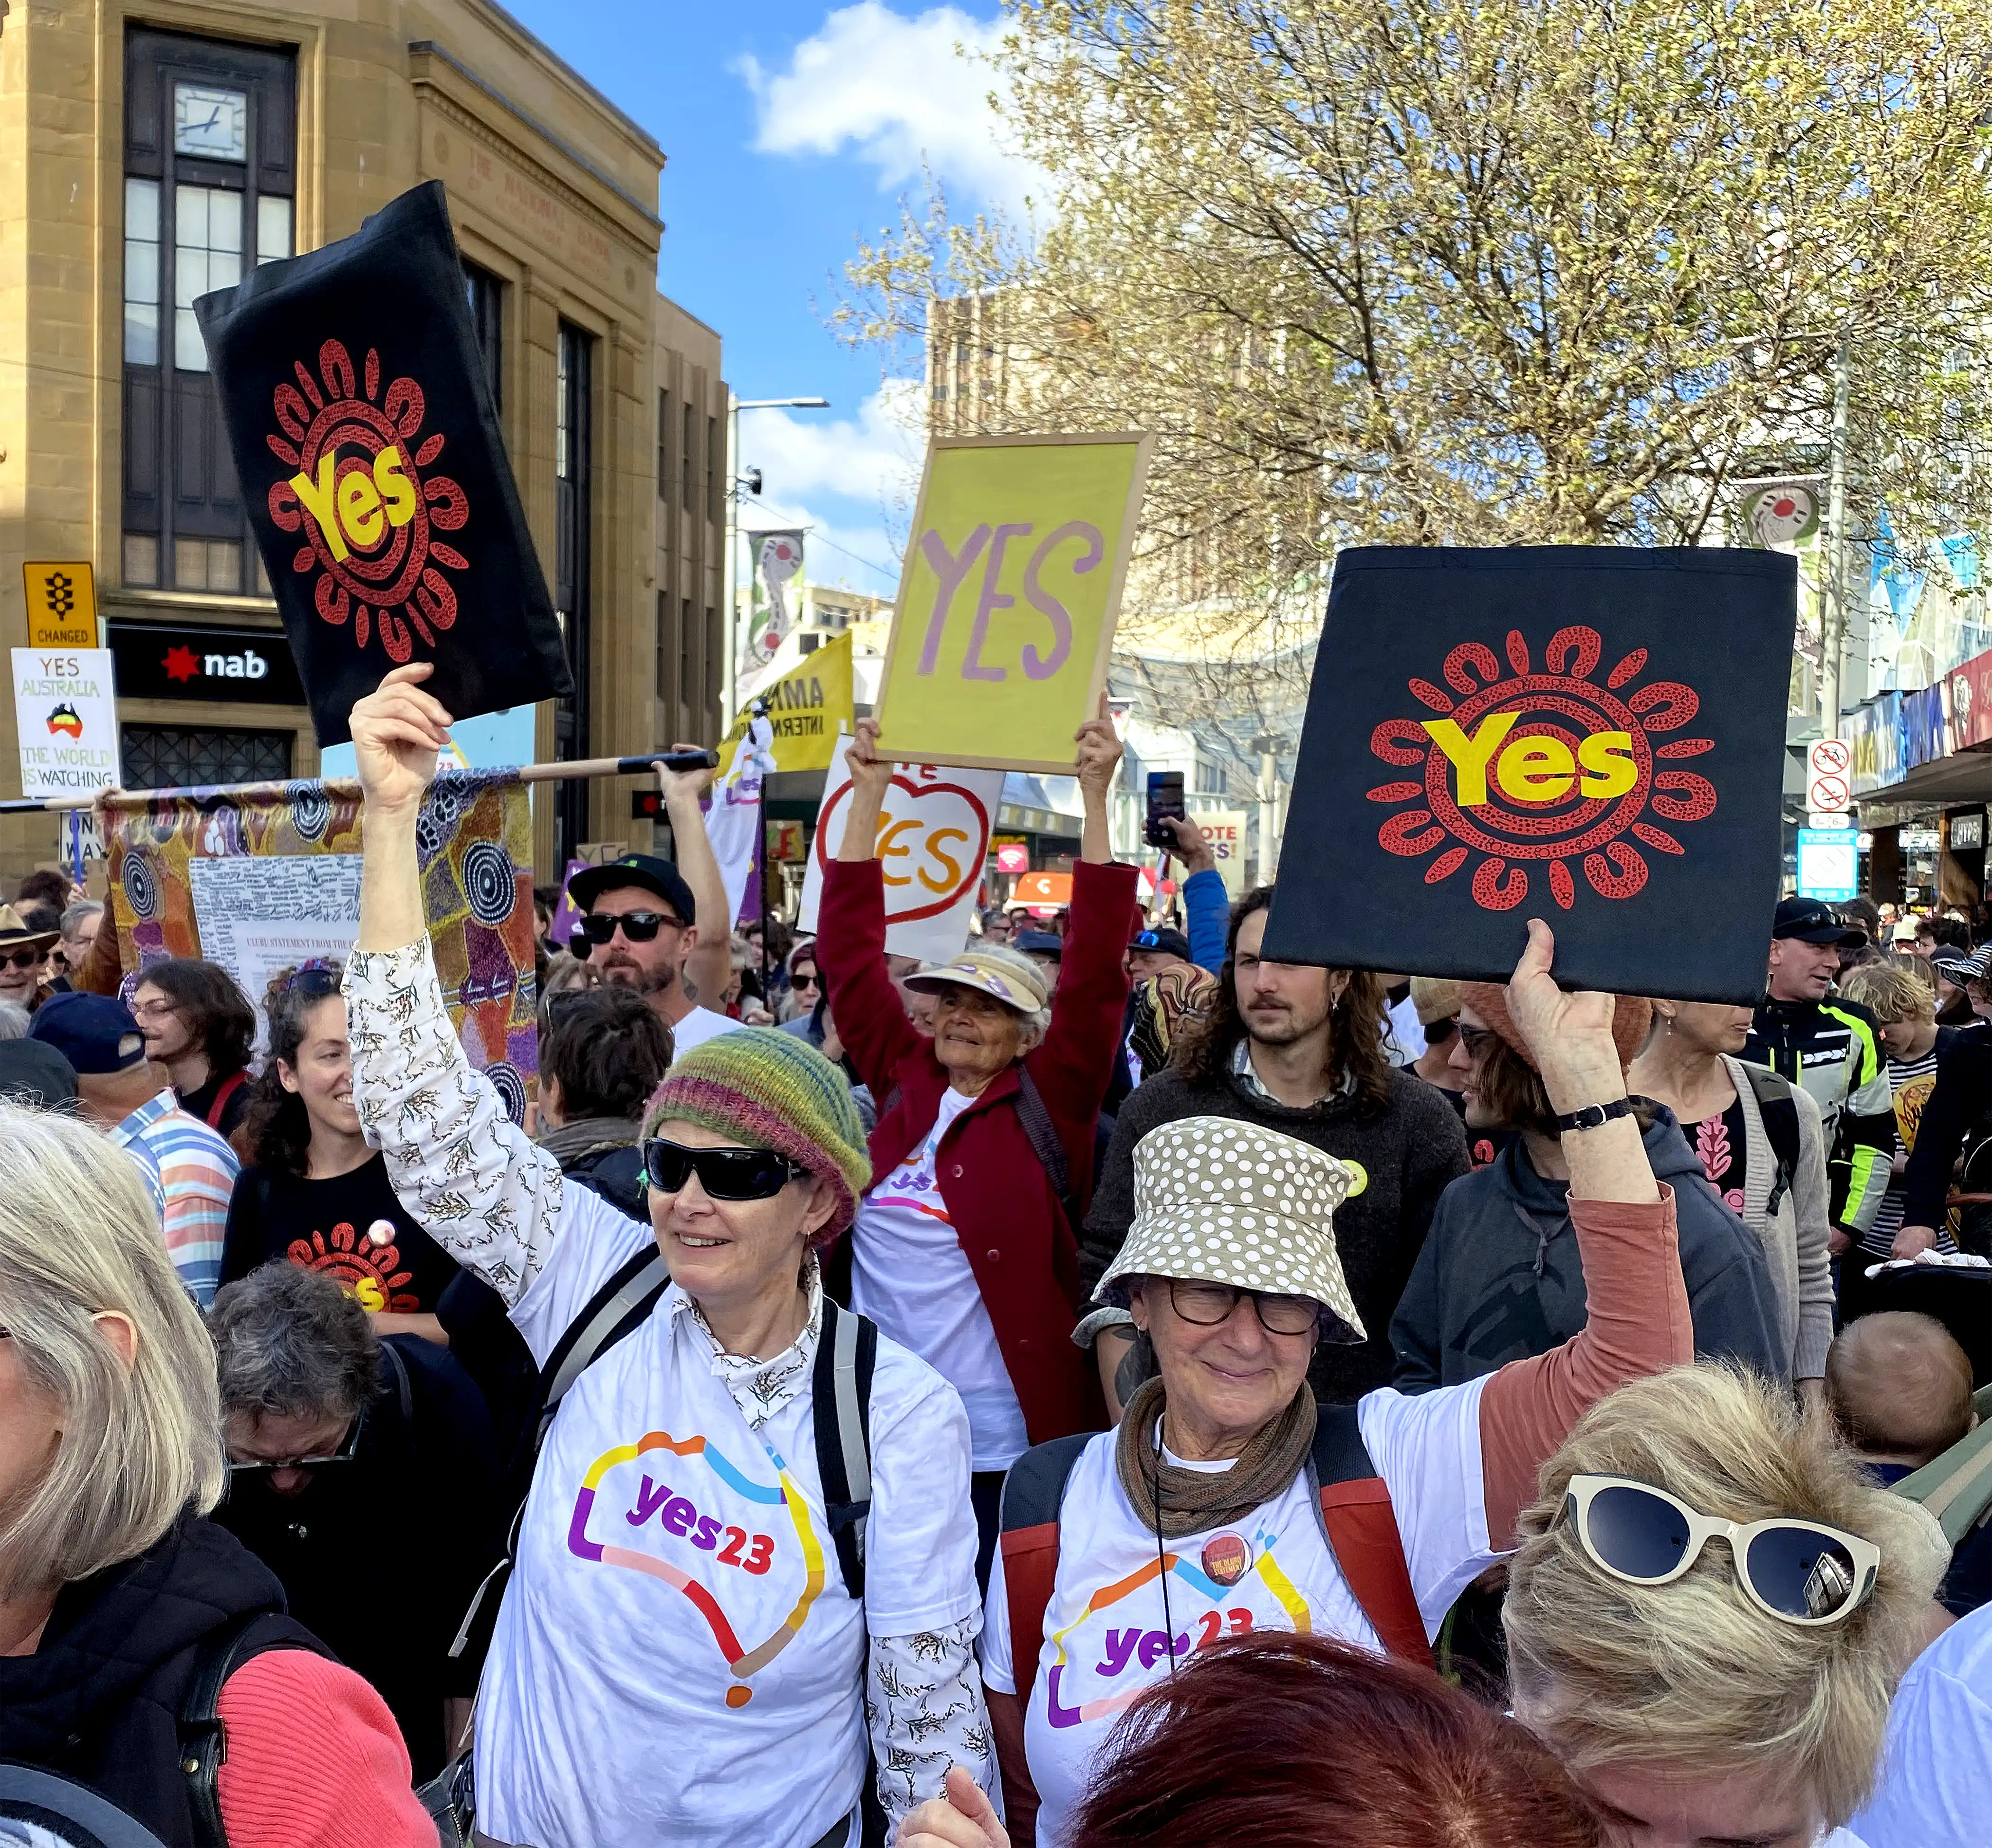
x=139, y=1445
x=1890, y=992
x=1691, y=1677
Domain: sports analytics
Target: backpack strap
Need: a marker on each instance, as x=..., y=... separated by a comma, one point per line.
x=846, y=1355
x=203, y=1740
x=399, y=1368
x=1781, y=1126
x=618, y=1308
x=229, y=1085
x=1360, y=1527
x=1033, y=1493
x=1036, y=1118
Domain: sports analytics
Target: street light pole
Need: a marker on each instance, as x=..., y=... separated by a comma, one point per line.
x=733, y=407
x=1833, y=639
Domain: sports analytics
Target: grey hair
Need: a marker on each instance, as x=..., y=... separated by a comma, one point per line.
x=292, y=1343
x=15, y=1021
x=139, y=1445
x=81, y=912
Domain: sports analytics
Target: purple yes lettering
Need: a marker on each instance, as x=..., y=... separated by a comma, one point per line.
x=1150, y=1647
x=988, y=543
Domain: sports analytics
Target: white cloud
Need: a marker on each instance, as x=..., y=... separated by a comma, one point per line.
x=898, y=92
x=860, y=555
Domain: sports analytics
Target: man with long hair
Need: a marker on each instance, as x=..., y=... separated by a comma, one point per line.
x=1301, y=1051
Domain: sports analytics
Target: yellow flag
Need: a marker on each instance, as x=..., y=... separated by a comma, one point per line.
x=807, y=707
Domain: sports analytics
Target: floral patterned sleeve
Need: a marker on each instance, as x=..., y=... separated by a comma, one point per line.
x=923, y=1703
x=469, y=1174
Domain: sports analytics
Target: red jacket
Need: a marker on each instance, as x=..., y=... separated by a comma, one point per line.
x=1006, y=1214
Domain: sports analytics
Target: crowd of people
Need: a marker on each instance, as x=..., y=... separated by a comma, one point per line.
x=1105, y=1386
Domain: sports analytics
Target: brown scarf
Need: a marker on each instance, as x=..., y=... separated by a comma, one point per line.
x=1193, y=1500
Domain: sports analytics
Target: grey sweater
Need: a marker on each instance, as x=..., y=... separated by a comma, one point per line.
x=1500, y=1277
x=1409, y=1150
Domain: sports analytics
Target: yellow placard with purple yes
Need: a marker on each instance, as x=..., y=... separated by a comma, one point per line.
x=1008, y=598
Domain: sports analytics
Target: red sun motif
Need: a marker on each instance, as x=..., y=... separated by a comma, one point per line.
x=362, y=1268
x=1563, y=705
x=389, y=578
x=181, y=662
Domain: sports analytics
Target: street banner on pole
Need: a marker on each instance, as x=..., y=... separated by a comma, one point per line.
x=1593, y=736
x=1008, y=598
x=933, y=838
x=362, y=430
x=67, y=720
x=807, y=708
x=778, y=562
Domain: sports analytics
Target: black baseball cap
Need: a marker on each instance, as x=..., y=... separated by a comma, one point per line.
x=646, y=870
x=1039, y=943
x=1814, y=921
x=95, y=1034
x=35, y=1073
x=1168, y=942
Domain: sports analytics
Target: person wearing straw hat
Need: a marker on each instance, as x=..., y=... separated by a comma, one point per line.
x=24, y=956
x=716, y=1614
x=1227, y=1501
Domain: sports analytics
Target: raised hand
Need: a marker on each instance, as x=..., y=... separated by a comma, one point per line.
x=684, y=786
x=870, y=774
x=1099, y=753
x=1191, y=848
x=1568, y=1035
x=965, y=1817
x=397, y=729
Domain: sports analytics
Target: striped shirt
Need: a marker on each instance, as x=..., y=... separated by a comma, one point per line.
x=192, y=1173
x=1910, y=1083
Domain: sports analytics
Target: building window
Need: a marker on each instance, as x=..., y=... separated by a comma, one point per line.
x=486, y=296
x=715, y=655
x=176, y=757
x=663, y=445
x=688, y=686
x=574, y=525
x=688, y=460
x=210, y=176
x=712, y=466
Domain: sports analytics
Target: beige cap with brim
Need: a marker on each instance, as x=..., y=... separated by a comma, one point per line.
x=1220, y=1201
x=1000, y=980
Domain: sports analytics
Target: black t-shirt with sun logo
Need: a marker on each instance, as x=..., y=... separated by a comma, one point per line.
x=333, y=1225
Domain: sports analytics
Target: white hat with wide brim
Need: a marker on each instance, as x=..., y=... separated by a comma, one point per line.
x=1220, y=1201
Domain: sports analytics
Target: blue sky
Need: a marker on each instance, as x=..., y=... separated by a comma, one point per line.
x=790, y=130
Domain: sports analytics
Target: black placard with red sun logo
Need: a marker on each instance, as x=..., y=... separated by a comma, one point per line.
x=368, y=448
x=1594, y=736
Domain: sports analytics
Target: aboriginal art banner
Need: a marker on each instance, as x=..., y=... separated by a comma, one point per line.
x=368, y=448
x=260, y=878
x=1593, y=736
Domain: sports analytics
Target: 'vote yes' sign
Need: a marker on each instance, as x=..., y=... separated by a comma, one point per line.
x=1594, y=736
x=1008, y=598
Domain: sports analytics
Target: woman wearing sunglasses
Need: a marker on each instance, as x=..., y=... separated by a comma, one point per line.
x=1712, y=1605
x=678, y=1657
x=1228, y=1503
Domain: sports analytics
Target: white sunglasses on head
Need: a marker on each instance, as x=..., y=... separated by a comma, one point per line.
x=1798, y=1571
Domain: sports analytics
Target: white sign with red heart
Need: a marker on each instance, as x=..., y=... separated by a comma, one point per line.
x=933, y=839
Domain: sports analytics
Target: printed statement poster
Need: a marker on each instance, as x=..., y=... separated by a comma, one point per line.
x=362, y=430
x=1008, y=598
x=1593, y=736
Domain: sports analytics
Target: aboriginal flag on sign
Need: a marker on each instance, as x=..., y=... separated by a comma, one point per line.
x=1589, y=735
x=368, y=448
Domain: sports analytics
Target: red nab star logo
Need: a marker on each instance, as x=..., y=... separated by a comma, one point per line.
x=1542, y=767
x=181, y=664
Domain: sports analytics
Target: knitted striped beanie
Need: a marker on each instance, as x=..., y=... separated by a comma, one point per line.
x=772, y=1090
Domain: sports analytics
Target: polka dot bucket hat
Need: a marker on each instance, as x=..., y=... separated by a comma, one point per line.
x=1223, y=1201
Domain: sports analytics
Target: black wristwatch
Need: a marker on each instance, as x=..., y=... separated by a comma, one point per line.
x=1594, y=1116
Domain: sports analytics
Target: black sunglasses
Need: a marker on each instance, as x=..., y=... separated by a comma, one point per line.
x=725, y=1173
x=1207, y=1304
x=800, y=981
x=23, y=959
x=638, y=927
x=316, y=982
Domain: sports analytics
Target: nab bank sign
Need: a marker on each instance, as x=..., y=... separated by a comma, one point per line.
x=155, y=661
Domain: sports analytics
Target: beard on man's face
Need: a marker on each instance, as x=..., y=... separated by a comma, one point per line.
x=623, y=969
